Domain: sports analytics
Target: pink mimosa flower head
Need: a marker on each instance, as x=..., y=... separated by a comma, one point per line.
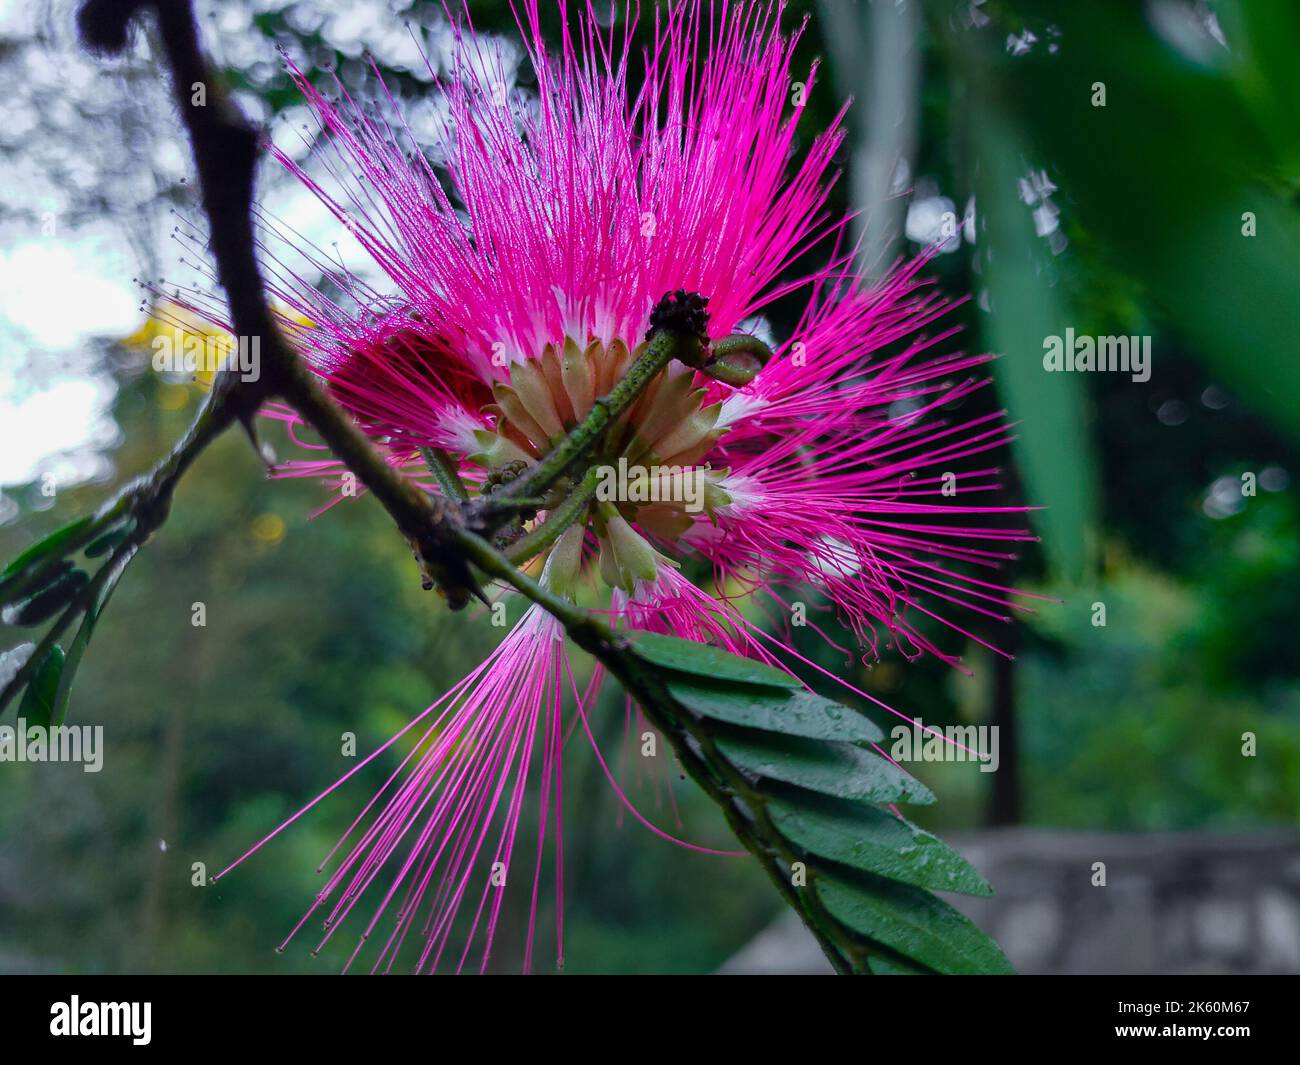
x=526, y=258
x=564, y=218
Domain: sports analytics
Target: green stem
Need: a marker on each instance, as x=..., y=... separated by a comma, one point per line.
x=572, y=509
x=807, y=904
x=740, y=344
x=444, y=471
x=146, y=499
x=736, y=359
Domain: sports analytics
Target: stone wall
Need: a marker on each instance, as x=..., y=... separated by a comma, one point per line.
x=1179, y=902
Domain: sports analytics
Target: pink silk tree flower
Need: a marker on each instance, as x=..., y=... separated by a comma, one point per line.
x=525, y=259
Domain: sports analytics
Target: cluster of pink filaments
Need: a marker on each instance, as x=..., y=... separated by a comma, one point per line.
x=524, y=255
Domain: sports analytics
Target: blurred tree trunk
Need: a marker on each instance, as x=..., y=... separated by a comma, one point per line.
x=1005, y=808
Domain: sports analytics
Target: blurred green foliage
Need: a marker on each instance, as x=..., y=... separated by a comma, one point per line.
x=214, y=734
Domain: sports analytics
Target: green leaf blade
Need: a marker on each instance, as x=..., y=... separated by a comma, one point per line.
x=115, y=537
x=876, y=841
x=45, y=603
x=883, y=966
x=107, y=583
x=705, y=660
x=839, y=770
x=72, y=534
x=798, y=713
x=37, y=707
x=912, y=922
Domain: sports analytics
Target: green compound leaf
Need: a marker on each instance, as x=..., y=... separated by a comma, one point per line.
x=912, y=922
x=797, y=713
x=836, y=769
x=876, y=841
x=703, y=660
x=791, y=769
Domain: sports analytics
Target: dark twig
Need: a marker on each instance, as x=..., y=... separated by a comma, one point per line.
x=225, y=148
